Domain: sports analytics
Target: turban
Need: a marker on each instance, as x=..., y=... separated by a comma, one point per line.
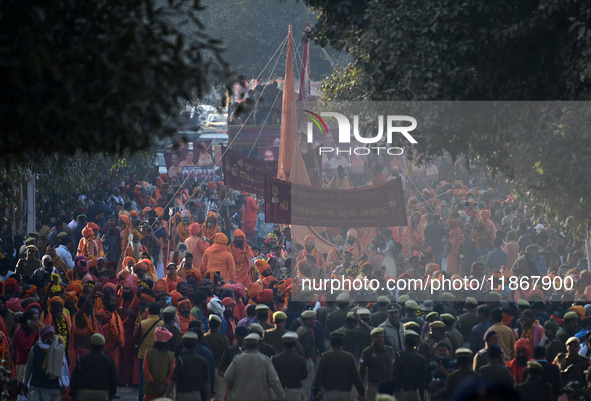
x=194, y=229
x=87, y=232
x=239, y=289
x=146, y=210
x=160, y=285
x=239, y=233
x=216, y=307
x=283, y=284
x=185, y=213
x=47, y=330
x=162, y=335
x=71, y=297
x=524, y=344
x=81, y=264
x=140, y=266
x=111, y=286
x=159, y=211
x=129, y=282
x=228, y=301
x=14, y=304
x=93, y=226
x=220, y=184
x=159, y=182
x=122, y=275
x=220, y=238
x=195, y=273
x=211, y=185
x=11, y=282
x=271, y=236
x=127, y=259
x=254, y=290
x=265, y=296
x=579, y=310
x=55, y=299
x=33, y=305
x=352, y=233
x=183, y=302
x=125, y=219
x=175, y=297
x=213, y=214
x=76, y=286
x=133, y=213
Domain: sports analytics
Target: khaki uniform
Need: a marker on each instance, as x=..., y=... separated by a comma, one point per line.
x=457, y=377
x=409, y=373
x=306, y=339
x=292, y=370
x=465, y=324
x=497, y=373
x=217, y=343
x=377, y=364
x=273, y=338
x=481, y=358
x=337, y=373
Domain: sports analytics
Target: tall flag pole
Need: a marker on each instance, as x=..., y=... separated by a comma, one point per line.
x=289, y=131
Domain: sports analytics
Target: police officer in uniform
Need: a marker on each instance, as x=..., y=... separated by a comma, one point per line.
x=291, y=367
x=264, y=348
x=468, y=320
x=422, y=346
x=376, y=361
x=337, y=372
x=191, y=372
x=437, y=335
x=274, y=336
x=462, y=373
x=409, y=370
x=306, y=337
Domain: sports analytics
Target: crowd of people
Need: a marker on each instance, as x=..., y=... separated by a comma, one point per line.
x=188, y=292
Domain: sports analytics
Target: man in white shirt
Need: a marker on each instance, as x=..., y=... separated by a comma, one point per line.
x=62, y=250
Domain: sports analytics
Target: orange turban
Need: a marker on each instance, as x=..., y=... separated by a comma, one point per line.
x=183, y=302
x=160, y=285
x=55, y=299
x=159, y=211
x=111, y=286
x=265, y=296
x=220, y=238
x=254, y=290
x=93, y=226
x=133, y=213
x=213, y=214
x=127, y=259
x=239, y=233
x=194, y=229
x=87, y=232
x=140, y=266
x=175, y=296
x=267, y=281
x=76, y=286
x=195, y=273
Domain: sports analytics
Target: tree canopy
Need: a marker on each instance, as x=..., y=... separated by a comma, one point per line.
x=99, y=75
x=527, y=50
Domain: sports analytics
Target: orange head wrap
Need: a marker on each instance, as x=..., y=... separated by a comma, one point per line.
x=254, y=290
x=195, y=273
x=220, y=238
x=76, y=286
x=57, y=299
x=239, y=233
x=265, y=296
x=194, y=228
x=87, y=232
x=213, y=214
x=160, y=285
x=183, y=302
x=175, y=296
x=128, y=259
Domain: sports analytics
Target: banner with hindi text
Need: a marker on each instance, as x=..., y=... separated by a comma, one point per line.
x=376, y=206
x=246, y=173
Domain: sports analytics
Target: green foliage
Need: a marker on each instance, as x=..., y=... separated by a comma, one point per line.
x=480, y=50
x=99, y=75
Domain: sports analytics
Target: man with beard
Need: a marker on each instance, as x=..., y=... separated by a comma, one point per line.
x=351, y=242
x=179, y=254
x=195, y=244
x=112, y=327
x=241, y=253
x=55, y=317
x=335, y=255
x=127, y=309
x=523, y=353
x=184, y=315
x=181, y=232
x=136, y=248
x=210, y=227
x=310, y=249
